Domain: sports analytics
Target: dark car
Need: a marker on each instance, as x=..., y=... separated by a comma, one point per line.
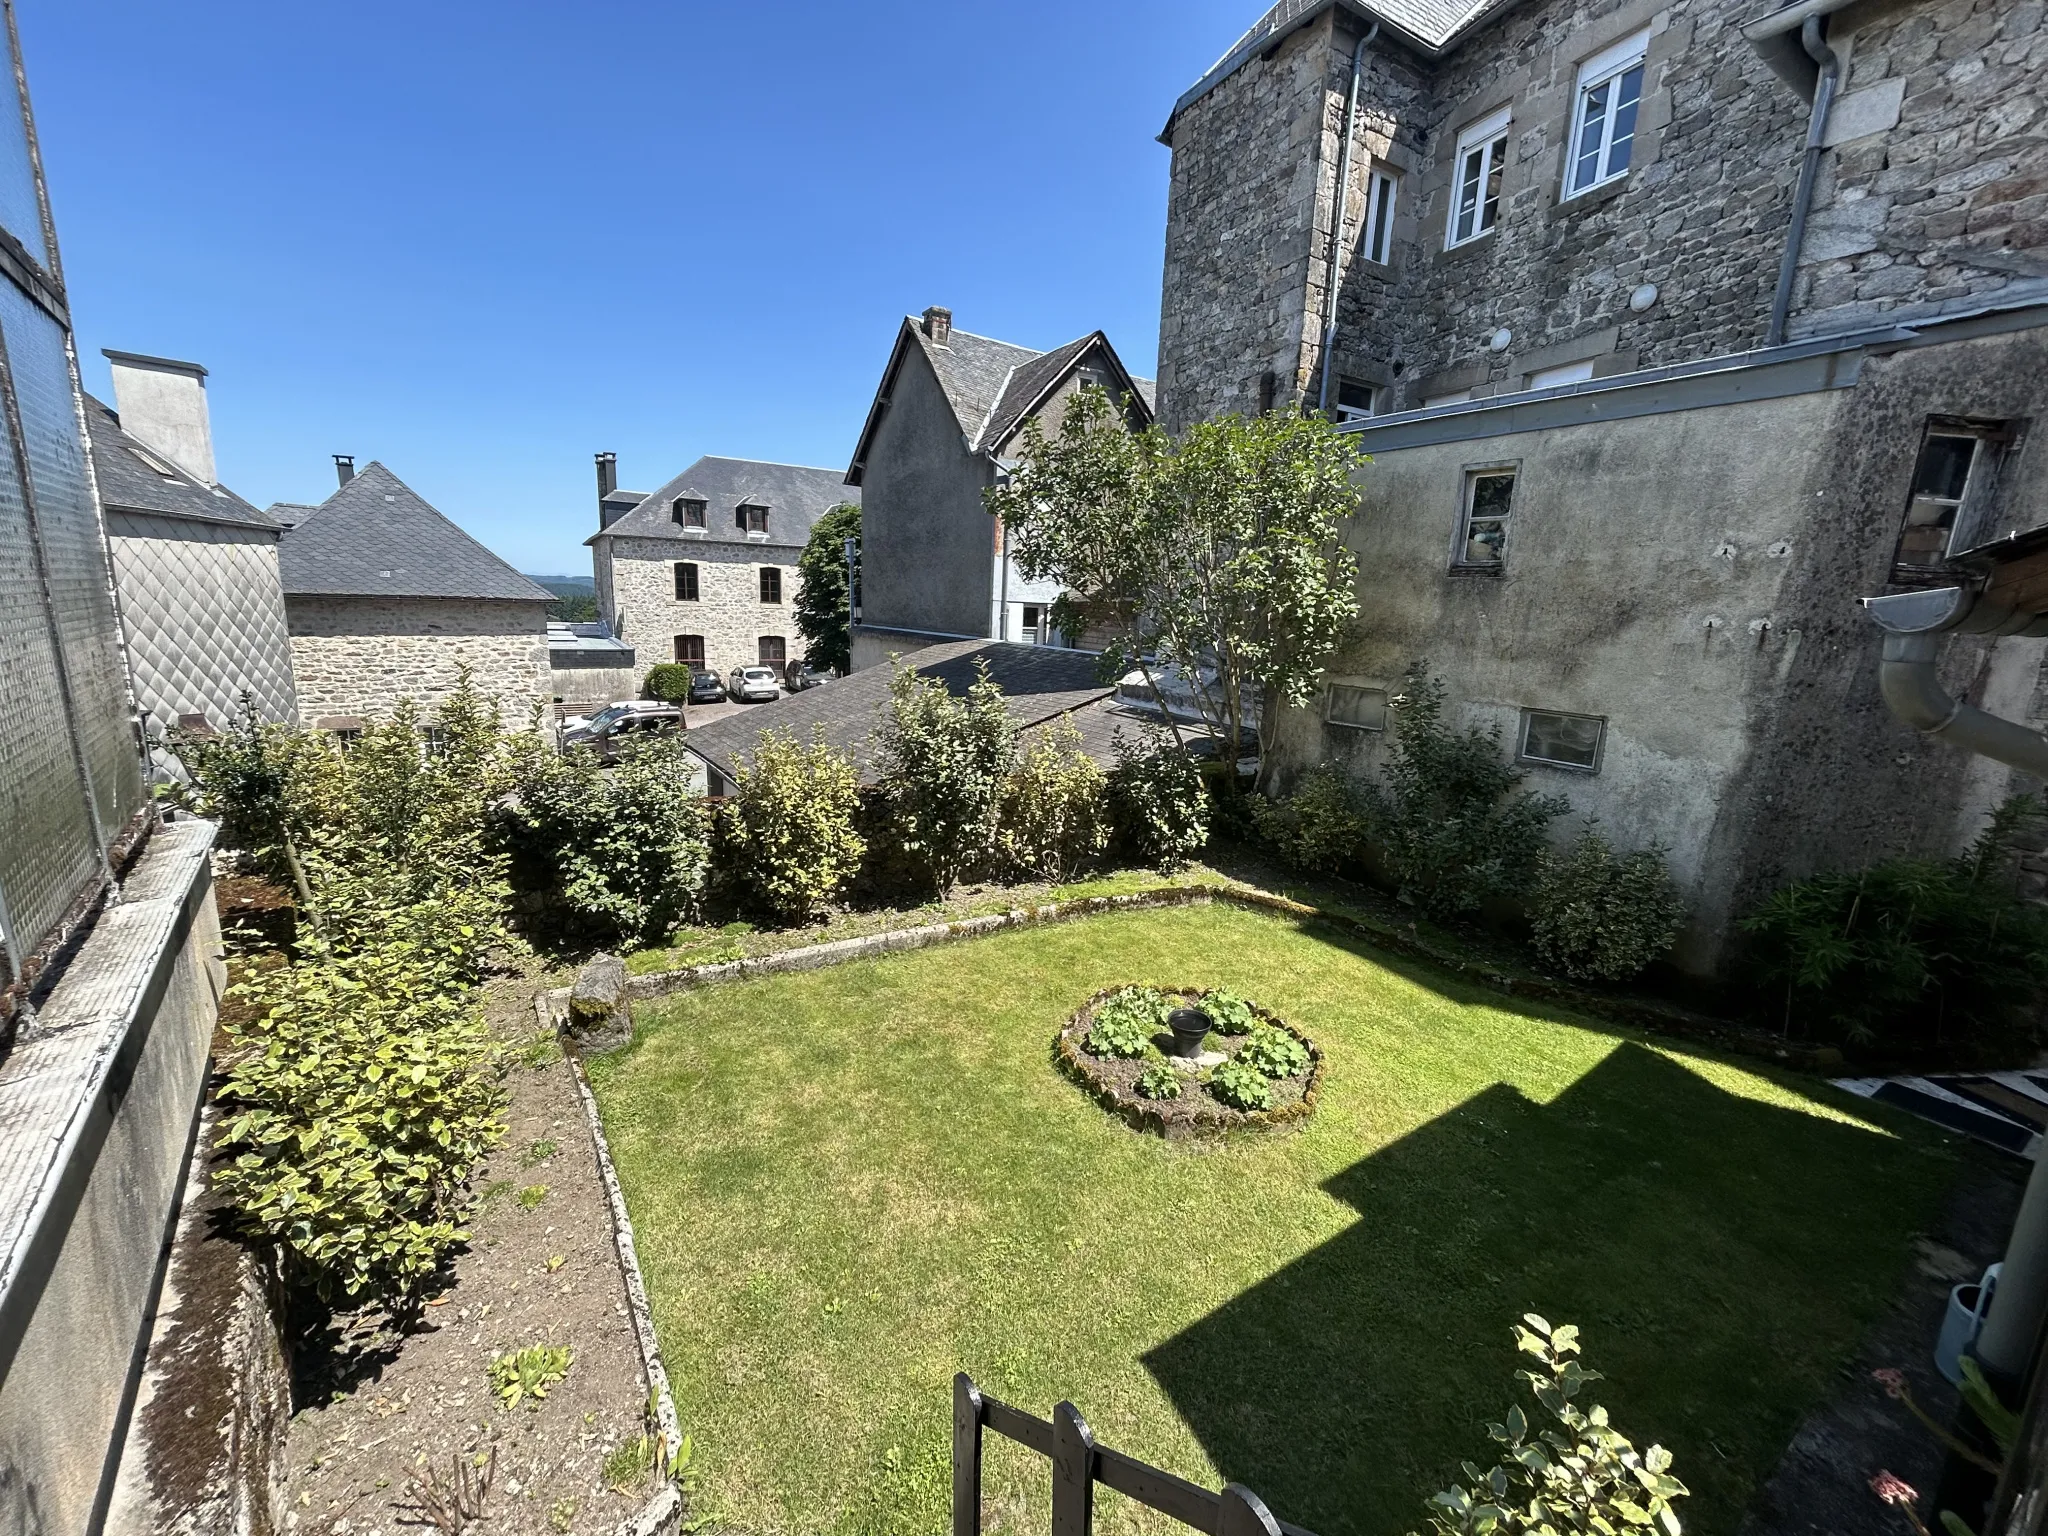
x=802, y=675
x=706, y=688
x=607, y=737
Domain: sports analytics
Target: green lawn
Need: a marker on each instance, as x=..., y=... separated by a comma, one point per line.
x=849, y=1184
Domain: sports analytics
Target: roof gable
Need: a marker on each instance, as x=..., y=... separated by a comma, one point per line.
x=377, y=537
x=126, y=470
x=796, y=496
x=1031, y=386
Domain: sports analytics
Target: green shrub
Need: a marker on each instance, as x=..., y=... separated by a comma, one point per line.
x=1321, y=827
x=1909, y=953
x=1241, y=1086
x=1603, y=916
x=526, y=1375
x=1158, y=805
x=669, y=681
x=1447, y=815
x=1126, y=1021
x=944, y=762
x=620, y=855
x=1229, y=1014
x=1582, y=1476
x=787, y=845
x=1274, y=1052
x=1159, y=1081
x=1055, y=815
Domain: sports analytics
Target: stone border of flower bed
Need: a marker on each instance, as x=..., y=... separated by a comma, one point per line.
x=663, y=1513
x=1207, y=1119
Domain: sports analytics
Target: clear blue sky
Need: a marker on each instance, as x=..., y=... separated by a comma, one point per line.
x=481, y=241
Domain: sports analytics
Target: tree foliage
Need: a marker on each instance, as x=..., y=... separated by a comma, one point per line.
x=669, y=681
x=1601, y=915
x=1055, y=814
x=787, y=842
x=824, y=608
x=1323, y=826
x=1217, y=553
x=944, y=763
x=1158, y=804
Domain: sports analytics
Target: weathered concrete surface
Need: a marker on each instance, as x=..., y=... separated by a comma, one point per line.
x=599, y=1013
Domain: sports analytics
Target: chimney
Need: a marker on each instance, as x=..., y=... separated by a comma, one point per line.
x=344, y=467
x=162, y=404
x=607, y=476
x=938, y=324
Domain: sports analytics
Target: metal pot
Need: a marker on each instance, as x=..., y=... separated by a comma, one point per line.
x=1190, y=1028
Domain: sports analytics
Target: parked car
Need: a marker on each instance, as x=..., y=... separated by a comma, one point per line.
x=749, y=684
x=802, y=675
x=578, y=728
x=607, y=739
x=570, y=723
x=705, y=688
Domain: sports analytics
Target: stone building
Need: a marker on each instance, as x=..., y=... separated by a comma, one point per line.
x=704, y=570
x=946, y=419
x=387, y=599
x=1653, y=390
x=195, y=566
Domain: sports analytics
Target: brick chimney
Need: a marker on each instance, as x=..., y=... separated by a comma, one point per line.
x=938, y=324
x=162, y=404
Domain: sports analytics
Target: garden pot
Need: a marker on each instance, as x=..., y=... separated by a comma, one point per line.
x=1967, y=1305
x=1190, y=1028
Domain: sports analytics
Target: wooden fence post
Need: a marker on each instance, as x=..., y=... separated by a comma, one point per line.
x=966, y=1457
x=1073, y=1473
x=1245, y=1514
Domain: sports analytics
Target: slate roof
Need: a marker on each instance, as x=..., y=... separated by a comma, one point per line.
x=1038, y=683
x=376, y=537
x=795, y=495
x=128, y=483
x=289, y=514
x=1029, y=384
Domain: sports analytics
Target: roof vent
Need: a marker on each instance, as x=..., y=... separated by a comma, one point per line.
x=938, y=324
x=344, y=467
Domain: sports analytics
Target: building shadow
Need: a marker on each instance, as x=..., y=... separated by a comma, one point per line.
x=1673, y=1221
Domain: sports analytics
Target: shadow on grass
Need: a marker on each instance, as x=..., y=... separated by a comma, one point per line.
x=1688, y=1230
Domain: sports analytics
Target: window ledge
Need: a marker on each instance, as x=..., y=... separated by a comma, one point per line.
x=1592, y=197
x=1470, y=248
x=1495, y=570
x=1544, y=762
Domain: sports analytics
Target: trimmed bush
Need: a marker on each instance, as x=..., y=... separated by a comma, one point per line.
x=1603, y=916
x=669, y=681
x=1158, y=804
x=1321, y=827
x=1055, y=817
x=787, y=844
x=944, y=762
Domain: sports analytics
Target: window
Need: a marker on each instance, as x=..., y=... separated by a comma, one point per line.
x=1379, y=217
x=1950, y=498
x=1562, y=741
x=774, y=650
x=434, y=740
x=1034, y=619
x=752, y=520
x=1354, y=399
x=1455, y=397
x=1483, y=530
x=1604, y=121
x=1359, y=709
x=687, y=511
x=1563, y=373
x=1475, y=179
x=771, y=583
x=686, y=582
x=690, y=649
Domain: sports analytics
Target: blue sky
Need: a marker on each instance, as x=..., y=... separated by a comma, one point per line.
x=480, y=241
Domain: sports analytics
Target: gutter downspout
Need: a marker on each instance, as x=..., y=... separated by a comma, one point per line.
x=1812, y=40
x=1338, y=202
x=1913, y=623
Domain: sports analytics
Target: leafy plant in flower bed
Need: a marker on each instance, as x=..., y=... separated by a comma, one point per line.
x=1159, y=1081
x=1241, y=1086
x=1126, y=1021
x=1231, y=1014
x=1274, y=1052
x=525, y=1375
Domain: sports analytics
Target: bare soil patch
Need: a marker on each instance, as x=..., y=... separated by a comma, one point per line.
x=378, y=1411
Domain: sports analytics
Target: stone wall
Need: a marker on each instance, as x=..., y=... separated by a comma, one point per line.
x=358, y=656
x=728, y=613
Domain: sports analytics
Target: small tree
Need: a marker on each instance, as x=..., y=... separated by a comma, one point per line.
x=944, y=762
x=1055, y=811
x=1322, y=827
x=1603, y=916
x=669, y=681
x=1217, y=553
x=786, y=839
x=1158, y=803
x=1447, y=813
x=824, y=607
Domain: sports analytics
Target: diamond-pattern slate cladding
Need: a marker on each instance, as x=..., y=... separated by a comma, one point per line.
x=204, y=615
x=68, y=515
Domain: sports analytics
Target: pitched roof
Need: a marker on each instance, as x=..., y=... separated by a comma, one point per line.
x=376, y=537
x=1029, y=385
x=1430, y=26
x=795, y=495
x=132, y=478
x=1038, y=683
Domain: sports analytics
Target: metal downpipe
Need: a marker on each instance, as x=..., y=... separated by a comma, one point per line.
x=1815, y=43
x=1914, y=694
x=1341, y=196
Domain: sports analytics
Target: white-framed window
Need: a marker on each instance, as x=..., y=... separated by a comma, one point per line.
x=1475, y=178
x=1380, y=190
x=1483, y=525
x=1563, y=373
x=1562, y=741
x=1455, y=397
x=1604, y=117
x=1354, y=399
x=1355, y=708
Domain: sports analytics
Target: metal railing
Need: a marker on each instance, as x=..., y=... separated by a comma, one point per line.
x=1078, y=1464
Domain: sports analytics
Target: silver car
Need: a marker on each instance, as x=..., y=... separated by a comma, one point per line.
x=748, y=684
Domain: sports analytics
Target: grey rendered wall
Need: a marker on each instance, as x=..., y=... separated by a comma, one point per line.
x=358, y=656
x=204, y=616
x=927, y=544
x=97, y=1106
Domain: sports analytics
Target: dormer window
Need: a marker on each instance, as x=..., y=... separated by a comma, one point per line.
x=688, y=511
x=751, y=520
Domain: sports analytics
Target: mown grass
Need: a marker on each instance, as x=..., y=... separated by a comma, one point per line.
x=849, y=1184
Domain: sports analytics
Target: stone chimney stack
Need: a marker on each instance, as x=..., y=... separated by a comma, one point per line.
x=162, y=404
x=344, y=468
x=938, y=324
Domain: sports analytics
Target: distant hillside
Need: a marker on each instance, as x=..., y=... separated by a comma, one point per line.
x=556, y=583
x=575, y=598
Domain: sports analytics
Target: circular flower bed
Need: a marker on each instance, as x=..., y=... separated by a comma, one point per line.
x=1135, y=1050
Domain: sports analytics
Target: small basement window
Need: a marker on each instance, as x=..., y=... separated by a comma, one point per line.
x=1483, y=529
x=686, y=582
x=1562, y=741
x=690, y=650
x=1358, y=709
x=1379, y=217
x=688, y=511
x=771, y=583
x=1475, y=187
x=754, y=520
x=1563, y=373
